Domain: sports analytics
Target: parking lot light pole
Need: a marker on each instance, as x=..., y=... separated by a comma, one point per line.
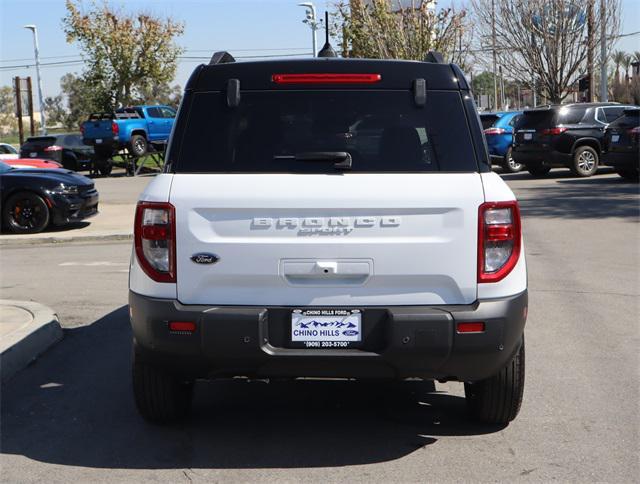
x=313, y=23
x=43, y=121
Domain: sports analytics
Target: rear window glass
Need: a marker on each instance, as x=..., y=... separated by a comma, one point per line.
x=629, y=119
x=383, y=131
x=488, y=120
x=571, y=115
x=536, y=119
x=44, y=141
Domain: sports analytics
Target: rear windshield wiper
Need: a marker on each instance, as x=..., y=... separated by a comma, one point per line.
x=341, y=159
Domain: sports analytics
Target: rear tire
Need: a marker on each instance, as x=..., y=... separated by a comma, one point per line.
x=631, y=174
x=510, y=165
x=497, y=399
x=104, y=167
x=538, y=171
x=138, y=145
x=161, y=397
x=25, y=213
x=585, y=161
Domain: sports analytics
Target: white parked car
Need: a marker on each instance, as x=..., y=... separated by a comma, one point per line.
x=328, y=218
x=8, y=152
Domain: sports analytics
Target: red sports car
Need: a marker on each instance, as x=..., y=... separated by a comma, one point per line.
x=32, y=163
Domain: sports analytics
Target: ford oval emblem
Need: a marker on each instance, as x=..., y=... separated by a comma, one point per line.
x=205, y=258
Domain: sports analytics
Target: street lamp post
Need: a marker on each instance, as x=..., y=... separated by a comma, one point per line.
x=43, y=121
x=313, y=23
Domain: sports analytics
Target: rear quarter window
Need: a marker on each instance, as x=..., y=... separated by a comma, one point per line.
x=383, y=131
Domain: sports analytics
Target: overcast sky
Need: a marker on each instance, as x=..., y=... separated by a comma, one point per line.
x=243, y=27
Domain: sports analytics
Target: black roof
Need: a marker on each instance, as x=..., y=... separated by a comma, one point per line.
x=396, y=74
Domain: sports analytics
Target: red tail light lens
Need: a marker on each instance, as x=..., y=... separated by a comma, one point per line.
x=499, y=235
x=470, y=327
x=491, y=131
x=51, y=148
x=115, y=129
x=326, y=78
x=182, y=326
x=556, y=130
x=154, y=234
x=82, y=129
x=634, y=133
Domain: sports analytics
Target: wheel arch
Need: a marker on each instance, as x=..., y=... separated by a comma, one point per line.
x=591, y=142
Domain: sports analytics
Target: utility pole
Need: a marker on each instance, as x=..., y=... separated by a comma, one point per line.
x=493, y=43
x=604, y=92
x=43, y=120
x=313, y=23
x=590, y=95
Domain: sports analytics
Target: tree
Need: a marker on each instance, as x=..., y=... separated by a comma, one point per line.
x=54, y=109
x=8, y=120
x=383, y=29
x=543, y=39
x=124, y=52
x=618, y=59
x=160, y=94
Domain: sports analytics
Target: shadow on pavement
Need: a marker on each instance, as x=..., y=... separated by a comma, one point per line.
x=74, y=407
x=581, y=198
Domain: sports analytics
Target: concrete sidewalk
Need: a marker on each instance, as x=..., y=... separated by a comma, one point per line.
x=27, y=329
x=118, y=198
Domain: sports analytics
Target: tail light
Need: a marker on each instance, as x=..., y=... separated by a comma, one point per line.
x=82, y=129
x=490, y=131
x=52, y=148
x=634, y=133
x=326, y=78
x=155, y=242
x=115, y=129
x=499, y=235
x=556, y=130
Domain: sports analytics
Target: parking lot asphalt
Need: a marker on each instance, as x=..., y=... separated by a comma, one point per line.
x=70, y=415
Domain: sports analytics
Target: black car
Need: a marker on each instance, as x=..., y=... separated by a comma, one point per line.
x=622, y=144
x=32, y=199
x=66, y=148
x=566, y=135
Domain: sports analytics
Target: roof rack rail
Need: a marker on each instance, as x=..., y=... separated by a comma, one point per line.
x=221, y=57
x=434, y=57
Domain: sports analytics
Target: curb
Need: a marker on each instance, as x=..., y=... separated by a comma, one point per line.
x=25, y=344
x=61, y=240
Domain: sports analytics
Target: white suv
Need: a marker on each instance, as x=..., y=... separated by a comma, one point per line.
x=328, y=218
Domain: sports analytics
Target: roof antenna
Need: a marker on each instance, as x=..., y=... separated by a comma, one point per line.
x=327, y=50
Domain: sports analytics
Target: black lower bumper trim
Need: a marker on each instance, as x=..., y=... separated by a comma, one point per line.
x=398, y=341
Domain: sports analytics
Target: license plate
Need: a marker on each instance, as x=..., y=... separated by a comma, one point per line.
x=326, y=328
x=615, y=138
x=98, y=141
x=528, y=136
x=33, y=154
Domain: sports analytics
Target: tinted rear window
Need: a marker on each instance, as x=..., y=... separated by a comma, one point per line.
x=629, y=119
x=39, y=142
x=535, y=119
x=488, y=120
x=383, y=131
x=571, y=115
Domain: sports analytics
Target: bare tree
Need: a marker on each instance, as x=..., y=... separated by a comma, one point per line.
x=544, y=43
x=390, y=29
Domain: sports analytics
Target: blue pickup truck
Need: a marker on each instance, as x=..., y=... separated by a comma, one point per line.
x=135, y=128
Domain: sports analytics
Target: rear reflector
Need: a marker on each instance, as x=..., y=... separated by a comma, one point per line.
x=470, y=327
x=326, y=78
x=188, y=326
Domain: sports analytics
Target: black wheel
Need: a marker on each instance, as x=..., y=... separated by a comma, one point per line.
x=160, y=396
x=585, y=161
x=138, y=145
x=104, y=167
x=25, y=213
x=497, y=400
x=631, y=174
x=538, y=170
x=510, y=165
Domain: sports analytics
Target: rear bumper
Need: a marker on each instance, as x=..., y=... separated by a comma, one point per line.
x=399, y=341
x=542, y=158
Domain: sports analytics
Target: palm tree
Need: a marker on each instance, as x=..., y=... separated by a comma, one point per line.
x=618, y=59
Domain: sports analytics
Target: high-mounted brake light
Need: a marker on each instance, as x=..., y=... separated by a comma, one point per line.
x=491, y=131
x=115, y=129
x=555, y=130
x=326, y=78
x=155, y=242
x=499, y=235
